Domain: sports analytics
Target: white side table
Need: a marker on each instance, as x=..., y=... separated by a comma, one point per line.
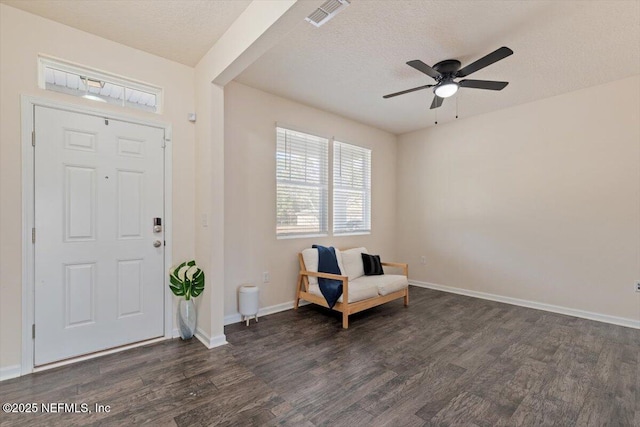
x=248, y=301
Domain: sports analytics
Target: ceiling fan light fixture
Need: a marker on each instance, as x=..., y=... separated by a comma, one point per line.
x=446, y=89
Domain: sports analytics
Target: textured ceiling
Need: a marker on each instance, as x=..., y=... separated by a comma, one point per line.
x=180, y=30
x=348, y=64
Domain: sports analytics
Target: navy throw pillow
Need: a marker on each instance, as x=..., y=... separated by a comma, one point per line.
x=372, y=265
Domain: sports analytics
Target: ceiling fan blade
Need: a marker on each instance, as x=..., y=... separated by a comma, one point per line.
x=424, y=68
x=483, y=84
x=391, y=95
x=437, y=102
x=494, y=56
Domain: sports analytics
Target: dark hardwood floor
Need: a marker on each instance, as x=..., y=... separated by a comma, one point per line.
x=447, y=360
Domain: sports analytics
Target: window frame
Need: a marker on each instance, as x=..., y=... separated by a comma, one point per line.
x=366, y=189
x=329, y=188
x=324, y=187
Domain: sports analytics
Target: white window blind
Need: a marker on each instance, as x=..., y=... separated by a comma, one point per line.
x=351, y=189
x=302, y=178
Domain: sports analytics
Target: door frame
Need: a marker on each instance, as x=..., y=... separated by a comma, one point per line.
x=28, y=104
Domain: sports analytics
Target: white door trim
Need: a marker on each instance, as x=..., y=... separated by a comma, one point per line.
x=28, y=104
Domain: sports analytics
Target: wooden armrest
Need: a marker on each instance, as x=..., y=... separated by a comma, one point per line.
x=324, y=275
x=402, y=265
x=395, y=264
x=343, y=279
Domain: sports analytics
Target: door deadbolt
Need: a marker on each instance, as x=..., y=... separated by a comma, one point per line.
x=157, y=244
x=157, y=225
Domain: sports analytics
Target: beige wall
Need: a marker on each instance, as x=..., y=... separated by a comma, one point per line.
x=257, y=29
x=203, y=167
x=539, y=202
x=250, y=241
x=19, y=45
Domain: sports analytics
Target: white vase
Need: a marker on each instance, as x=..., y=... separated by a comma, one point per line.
x=186, y=318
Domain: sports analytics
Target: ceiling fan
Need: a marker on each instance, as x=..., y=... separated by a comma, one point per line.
x=444, y=73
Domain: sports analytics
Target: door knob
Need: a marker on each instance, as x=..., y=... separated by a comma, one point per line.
x=157, y=244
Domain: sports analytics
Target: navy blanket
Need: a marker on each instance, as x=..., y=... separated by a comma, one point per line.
x=328, y=263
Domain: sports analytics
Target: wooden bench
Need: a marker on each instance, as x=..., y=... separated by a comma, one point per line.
x=345, y=307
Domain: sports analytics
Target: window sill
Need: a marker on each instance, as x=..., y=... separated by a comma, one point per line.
x=354, y=233
x=301, y=236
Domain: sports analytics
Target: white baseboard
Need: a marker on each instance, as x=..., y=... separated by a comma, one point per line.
x=264, y=311
x=210, y=342
x=605, y=318
x=8, y=372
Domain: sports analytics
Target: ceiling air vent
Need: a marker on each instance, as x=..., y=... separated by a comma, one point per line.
x=328, y=10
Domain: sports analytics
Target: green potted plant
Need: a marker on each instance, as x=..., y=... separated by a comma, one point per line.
x=187, y=281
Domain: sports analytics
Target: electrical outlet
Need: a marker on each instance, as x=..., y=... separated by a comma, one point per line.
x=266, y=278
x=423, y=260
x=638, y=286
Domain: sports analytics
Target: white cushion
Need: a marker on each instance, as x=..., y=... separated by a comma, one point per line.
x=385, y=283
x=352, y=261
x=339, y=258
x=357, y=291
x=310, y=258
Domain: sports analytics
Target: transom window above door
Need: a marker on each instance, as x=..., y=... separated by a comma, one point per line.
x=60, y=76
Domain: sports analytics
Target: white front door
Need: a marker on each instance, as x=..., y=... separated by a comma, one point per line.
x=99, y=275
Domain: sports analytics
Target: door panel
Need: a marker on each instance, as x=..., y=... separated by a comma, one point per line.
x=130, y=209
x=79, y=292
x=80, y=203
x=99, y=281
